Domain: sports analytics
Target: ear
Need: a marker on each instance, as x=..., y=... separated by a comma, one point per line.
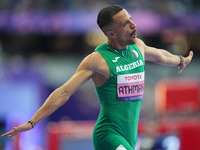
x=110, y=34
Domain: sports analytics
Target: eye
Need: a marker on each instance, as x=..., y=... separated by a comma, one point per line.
x=125, y=23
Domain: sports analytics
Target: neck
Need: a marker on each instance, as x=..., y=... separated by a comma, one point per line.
x=116, y=45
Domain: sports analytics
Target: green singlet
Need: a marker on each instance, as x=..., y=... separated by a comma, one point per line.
x=120, y=99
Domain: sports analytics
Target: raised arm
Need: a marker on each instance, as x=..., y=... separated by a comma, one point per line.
x=59, y=96
x=163, y=57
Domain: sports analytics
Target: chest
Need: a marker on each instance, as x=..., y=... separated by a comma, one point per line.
x=127, y=63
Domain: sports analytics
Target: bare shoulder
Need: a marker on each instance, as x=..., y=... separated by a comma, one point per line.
x=95, y=57
x=141, y=45
x=95, y=62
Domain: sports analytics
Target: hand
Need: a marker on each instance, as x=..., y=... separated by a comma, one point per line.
x=16, y=130
x=187, y=60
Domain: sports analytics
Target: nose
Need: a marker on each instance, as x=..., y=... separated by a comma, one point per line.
x=133, y=25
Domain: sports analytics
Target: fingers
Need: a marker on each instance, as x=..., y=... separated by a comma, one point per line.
x=10, y=133
x=191, y=54
x=14, y=133
x=180, y=69
x=187, y=60
x=189, y=57
x=17, y=130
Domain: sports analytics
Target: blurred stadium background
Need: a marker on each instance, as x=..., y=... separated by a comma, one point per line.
x=41, y=45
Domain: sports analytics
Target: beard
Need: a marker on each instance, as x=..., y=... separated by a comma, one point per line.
x=125, y=42
x=131, y=41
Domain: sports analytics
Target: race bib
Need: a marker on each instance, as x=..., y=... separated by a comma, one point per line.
x=130, y=87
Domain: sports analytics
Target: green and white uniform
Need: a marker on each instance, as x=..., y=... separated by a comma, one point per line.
x=120, y=98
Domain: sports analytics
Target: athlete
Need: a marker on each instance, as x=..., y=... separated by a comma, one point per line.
x=117, y=71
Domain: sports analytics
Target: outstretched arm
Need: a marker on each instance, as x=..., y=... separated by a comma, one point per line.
x=163, y=57
x=58, y=97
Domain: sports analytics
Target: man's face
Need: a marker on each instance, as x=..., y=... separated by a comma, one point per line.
x=124, y=29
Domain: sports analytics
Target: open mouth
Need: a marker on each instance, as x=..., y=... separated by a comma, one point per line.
x=134, y=34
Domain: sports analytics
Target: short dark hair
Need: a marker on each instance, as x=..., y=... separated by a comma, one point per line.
x=104, y=19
